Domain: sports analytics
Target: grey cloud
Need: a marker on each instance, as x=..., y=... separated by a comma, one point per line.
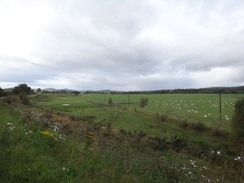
x=142, y=44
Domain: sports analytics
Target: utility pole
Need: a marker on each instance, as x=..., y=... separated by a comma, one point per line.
x=220, y=108
x=129, y=99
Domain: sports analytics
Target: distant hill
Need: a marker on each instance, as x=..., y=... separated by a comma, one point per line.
x=210, y=90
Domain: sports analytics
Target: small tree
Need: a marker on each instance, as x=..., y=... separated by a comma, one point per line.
x=110, y=101
x=76, y=92
x=143, y=102
x=238, y=120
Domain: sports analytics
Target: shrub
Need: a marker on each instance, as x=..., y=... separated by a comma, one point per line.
x=198, y=126
x=219, y=133
x=238, y=120
x=184, y=124
x=158, y=143
x=110, y=101
x=161, y=118
x=23, y=99
x=143, y=102
x=178, y=143
x=8, y=100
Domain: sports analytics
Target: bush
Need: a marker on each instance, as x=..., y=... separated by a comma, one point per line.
x=110, y=101
x=8, y=100
x=219, y=133
x=198, y=126
x=238, y=120
x=23, y=99
x=143, y=102
x=184, y=124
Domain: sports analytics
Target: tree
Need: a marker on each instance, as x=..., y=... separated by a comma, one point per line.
x=110, y=101
x=39, y=90
x=22, y=89
x=76, y=92
x=238, y=120
x=2, y=92
x=143, y=102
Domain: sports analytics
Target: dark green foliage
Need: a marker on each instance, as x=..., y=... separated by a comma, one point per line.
x=23, y=99
x=238, y=120
x=219, y=133
x=8, y=100
x=178, y=143
x=158, y=143
x=88, y=118
x=143, y=102
x=110, y=101
x=76, y=92
x=184, y=124
x=2, y=94
x=199, y=127
x=22, y=88
x=161, y=118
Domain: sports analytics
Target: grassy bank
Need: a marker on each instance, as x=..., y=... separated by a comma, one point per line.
x=55, y=144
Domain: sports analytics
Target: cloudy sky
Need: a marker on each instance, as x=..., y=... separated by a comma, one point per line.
x=121, y=44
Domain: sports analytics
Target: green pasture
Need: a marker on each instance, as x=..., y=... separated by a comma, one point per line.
x=197, y=107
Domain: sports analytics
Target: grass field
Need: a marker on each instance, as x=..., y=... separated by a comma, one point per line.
x=68, y=138
x=200, y=108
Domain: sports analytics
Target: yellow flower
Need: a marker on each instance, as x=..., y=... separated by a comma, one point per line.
x=47, y=133
x=91, y=148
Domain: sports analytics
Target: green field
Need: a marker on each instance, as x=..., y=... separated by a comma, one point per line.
x=175, y=138
x=193, y=108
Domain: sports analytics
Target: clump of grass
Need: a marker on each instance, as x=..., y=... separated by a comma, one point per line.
x=216, y=132
x=199, y=126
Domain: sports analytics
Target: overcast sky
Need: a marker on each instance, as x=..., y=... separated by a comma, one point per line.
x=121, y=44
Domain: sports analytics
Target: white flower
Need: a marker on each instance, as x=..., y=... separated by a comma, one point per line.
x=218, y=152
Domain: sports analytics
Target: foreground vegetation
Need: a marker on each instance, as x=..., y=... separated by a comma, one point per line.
x=69, y=138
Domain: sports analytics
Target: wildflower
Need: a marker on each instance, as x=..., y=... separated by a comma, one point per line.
x=65, y=169
x=47, y=133
x=91, y=148
x=90, y=136
x=218, y=152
